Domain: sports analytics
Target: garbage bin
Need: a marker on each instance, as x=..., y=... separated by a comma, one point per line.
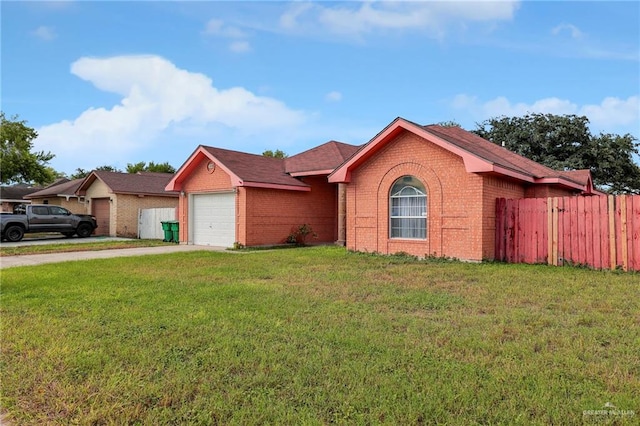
x=168, y=235
x=175, y=230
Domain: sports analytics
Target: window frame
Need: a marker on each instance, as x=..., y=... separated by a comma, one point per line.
x=408, y=182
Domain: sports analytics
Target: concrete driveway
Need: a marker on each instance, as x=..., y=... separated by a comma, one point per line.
x=38, y=259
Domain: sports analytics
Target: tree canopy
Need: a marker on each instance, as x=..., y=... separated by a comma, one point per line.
x=275, y=154
x=564, y=142
x=18, y=162
x=151, y=167
x=449, y=123
x=82, y=173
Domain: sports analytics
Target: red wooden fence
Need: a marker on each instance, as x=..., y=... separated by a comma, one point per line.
x=602, y=232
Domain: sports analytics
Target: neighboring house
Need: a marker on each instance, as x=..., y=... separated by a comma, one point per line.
x=15, y=194
x=232, y=197
x=116, y=198
x=61, y=193
x=431, y=190
x=423, y=190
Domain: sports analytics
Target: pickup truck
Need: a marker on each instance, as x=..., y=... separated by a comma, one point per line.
x=30, y=218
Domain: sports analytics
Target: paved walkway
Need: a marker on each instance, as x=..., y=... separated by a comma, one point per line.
x=38, y=259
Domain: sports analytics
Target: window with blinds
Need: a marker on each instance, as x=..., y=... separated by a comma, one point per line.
x=408, y=209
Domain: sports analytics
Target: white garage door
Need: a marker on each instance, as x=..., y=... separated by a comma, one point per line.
x=214, y=219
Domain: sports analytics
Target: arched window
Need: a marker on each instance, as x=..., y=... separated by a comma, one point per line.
x=408, y=209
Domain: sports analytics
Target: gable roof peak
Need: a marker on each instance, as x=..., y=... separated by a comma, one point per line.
x=478, y=154
x=322, y=159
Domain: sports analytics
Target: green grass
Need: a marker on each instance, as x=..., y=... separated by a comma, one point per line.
x=316, y=336
x=72, y=247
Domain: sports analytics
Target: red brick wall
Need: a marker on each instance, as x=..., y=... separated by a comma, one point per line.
x=544, y=191
x=201, y=181
x=272, y=214
x=454, y=201
x=267, y=216
x=461, y=205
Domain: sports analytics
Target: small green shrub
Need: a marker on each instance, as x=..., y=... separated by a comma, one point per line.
x=300, y=234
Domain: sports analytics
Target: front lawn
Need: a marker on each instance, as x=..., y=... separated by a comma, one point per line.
x=67, y=247
x=315, y=336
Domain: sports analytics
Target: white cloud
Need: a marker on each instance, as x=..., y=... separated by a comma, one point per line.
x=157, y=97
x=289, y=19
x=572, y=29
x=612, y=114
x=240, y=46
x=45, y=33
x=219, y=28
x=333, y=96
x=360, y=18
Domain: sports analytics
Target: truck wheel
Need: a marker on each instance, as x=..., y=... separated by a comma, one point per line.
x=14, y=233
x=84, y=230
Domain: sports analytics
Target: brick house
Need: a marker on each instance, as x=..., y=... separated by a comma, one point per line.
x=230, y=196
x=15, y=194
x=431, y=190
x=61, y=193
x=115, y=199
x=423, y=190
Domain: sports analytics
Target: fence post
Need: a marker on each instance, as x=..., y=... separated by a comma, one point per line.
x=553, y=230
x=550, y=210
x=623, y=232
x=612, y=231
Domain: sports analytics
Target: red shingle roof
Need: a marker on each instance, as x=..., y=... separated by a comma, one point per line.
x=259, y=171
x=489, y=151
x=61, y=187
x=325, y=157
x=501, y=156
x=143, y=183
x=579, y=176
x=254, y=168
x=479, y=156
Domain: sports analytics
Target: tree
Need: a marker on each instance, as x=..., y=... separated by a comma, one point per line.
x=82, y=173
x=616, y=171
x=18, y=164
x=565, y=143
x=151, y=167
x=275, y=154
x=449, y=123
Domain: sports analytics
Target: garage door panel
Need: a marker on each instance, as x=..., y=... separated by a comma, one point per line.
x=101, y=208
x=214, y=219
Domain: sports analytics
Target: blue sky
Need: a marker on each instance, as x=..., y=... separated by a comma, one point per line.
x=112, y=83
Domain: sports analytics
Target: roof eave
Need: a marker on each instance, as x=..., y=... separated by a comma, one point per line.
x=275, y=186
x=342, y=174
x=312, y=173
x=564, y=182
x=472, y=162
x=147, y=194
x=175, y=184
x=86, y=183
x=14, y=200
